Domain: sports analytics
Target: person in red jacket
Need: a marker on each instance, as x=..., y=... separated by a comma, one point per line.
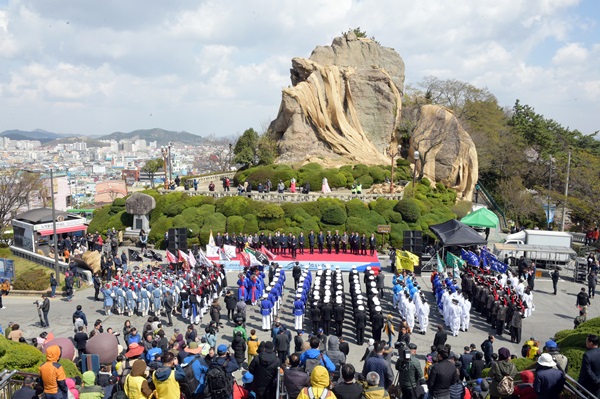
x=525, y=389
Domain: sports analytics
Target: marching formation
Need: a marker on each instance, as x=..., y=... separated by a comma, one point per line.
x=410, y=301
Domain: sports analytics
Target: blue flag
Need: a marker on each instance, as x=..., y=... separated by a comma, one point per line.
x=469, y=257
x=494, y=263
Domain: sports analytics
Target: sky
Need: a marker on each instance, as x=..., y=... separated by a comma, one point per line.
x=218, y=67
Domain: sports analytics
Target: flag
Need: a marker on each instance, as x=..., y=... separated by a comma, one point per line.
x=259, y=257
x=440, y=264
x=212, y=251
x=494, y=263
x=403, y=261
x=211, y=240
x=191, y=259
x=245, y=261
x=454, y=261
x=183, y=258
x=170, y=257
x=223, y=256
x=203, y=259
x=268, y=253
x=469, y=257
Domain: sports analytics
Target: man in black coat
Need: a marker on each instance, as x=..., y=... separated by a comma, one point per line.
x=45, y=308
x=282, y=344
x=301, y=242
x=583, y=299
x=589, y=376
x=377, y=325
x=488, y=349
x=296, y=273
x=320, y=241
x=360, y=319
x=338, y=315
x=264, y=368
x=311, y=242
x=315, y=317
x=442, y=374
x=329, y=241
x=295, y=378
x=326, y=313
x=440, y=336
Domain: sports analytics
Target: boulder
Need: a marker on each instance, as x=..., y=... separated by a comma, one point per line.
x=447, y=153
x=345, y=100
x=140, y=204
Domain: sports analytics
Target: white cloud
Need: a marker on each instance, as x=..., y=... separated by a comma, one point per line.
x=192, y=65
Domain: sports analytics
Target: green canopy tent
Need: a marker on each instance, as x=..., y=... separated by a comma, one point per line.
x=482, y=217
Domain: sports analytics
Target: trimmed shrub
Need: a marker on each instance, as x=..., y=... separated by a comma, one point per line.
x=117, y=206
x=198, y=200
x=250, y=224
x=575, y=356
x=335, y=178
x=409, y=209
x=271, y=212
x=230, y=206
x=377, y=173
x=32, y=280
x=158, y=230
x=193, y=215
x=365, y=180
x=333, y=215
x=574, y=340
x=358, y=224
x=309, y=224
x=381, y=205
x=235, y=224
x=356, y=207
x=360, y=170
x=272, y=224
x=174, y=209
x=100, y=220
x=392, y=216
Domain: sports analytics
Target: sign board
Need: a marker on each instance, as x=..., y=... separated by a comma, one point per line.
x=7, y=268
x=384, y=228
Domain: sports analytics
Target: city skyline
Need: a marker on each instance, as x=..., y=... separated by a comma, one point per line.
x=211, y=68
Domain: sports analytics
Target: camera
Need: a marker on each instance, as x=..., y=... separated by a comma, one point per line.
x=36, y=303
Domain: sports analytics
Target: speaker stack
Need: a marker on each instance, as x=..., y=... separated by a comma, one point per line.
x=177, y=240
x=413, y=242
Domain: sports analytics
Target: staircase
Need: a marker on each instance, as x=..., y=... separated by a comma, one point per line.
x=482, y=194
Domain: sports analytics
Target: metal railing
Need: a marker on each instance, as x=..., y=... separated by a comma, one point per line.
x=80, y=274
x=11, y=381
x=281, y=391
x=492, y=203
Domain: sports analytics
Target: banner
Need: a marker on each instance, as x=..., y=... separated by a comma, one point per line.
x=549, y=211
x=254, y=261
x=223, y=256
x=212, y=251
x=203, y=259
x=469, y=257
x=454, y=261
x=440, y=265
x=268, y=253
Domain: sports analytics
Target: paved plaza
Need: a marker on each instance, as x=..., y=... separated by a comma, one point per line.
x=552, y=313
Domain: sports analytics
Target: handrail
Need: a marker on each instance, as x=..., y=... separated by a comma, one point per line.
x=281, y=391
x=576, y=389
x=490, y=200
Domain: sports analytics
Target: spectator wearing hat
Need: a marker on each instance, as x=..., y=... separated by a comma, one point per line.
x=503, y=367
x=135, y=384
x=525, y=389
x=135, y=350
x=319, y=385
x=264, y=368
x=198, y=363
x=477, y=366
x=378, y=364
x=549, y=381
x=411, y=375
x=580, y=319
x=244, y=391
x=166, y=378
x=224, y=359
x=295, y=378
x=562, y=362
x=589, y=376
x=89, y=389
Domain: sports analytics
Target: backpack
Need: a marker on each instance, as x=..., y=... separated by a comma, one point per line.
x=506, y=386
x=311, y=394
x=525, y=350
x=218, y=382
x=191, y=382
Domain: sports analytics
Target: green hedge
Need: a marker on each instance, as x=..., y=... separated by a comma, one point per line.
x=409, y=209
x=26, y=358
x=32, y=280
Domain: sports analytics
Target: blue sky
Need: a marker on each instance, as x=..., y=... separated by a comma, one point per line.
x=218, y=67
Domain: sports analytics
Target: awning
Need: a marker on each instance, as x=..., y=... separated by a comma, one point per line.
x=67, y=229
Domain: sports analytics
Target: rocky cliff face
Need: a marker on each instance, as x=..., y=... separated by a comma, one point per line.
x=447, y=153
x=343, y=105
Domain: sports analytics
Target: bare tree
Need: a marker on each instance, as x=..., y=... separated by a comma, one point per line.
x=16, y=187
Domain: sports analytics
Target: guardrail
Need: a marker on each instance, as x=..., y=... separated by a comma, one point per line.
x=491, y=202
x=84, y=275
x=11, y=381
x=289, y=197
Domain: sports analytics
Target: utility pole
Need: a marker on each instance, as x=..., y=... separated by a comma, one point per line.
x=549, y=188
x=562, y=225
x=56, y=266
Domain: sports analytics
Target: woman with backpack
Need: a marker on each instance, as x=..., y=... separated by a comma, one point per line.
x=502, y=374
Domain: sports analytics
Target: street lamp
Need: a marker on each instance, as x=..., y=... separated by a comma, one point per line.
x=164, y=153
x=393, y=154
x=416, y=155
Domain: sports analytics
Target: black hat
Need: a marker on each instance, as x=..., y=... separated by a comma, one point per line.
x=412, y=346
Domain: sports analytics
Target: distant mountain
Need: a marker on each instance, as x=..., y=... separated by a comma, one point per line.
x=91, y=142
x=161, y=136
x=37, y=134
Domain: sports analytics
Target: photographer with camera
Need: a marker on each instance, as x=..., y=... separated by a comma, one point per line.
x=411, y=376
x=44, y=307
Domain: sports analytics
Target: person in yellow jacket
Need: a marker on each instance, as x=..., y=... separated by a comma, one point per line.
x=166, y=378
x=389, y=329
x=534, y=348
x=373, y=390
x=319, y=385
x=253, y=343
x=135, y=384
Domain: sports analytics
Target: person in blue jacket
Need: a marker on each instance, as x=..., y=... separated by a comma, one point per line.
x=108, y=299
x=265, y=310
x=198, y=364
x=315, y=353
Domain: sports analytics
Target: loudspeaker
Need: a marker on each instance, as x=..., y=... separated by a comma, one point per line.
x=413, y=242
x=177, y=239
x=413, y=234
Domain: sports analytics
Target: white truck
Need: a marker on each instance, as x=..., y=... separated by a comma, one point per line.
x=545, y=248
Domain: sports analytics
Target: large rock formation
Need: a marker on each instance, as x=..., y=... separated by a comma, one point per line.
x=344, y=104
x=446, y=152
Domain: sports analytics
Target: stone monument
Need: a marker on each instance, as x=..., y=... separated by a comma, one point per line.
x=140, y=205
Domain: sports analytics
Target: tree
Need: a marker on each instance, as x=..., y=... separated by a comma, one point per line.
x=151, y=167
x=16, y=188
x=246, y=148
x=267, y=149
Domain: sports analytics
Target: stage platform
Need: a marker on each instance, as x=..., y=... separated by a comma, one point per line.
x=344, y=261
